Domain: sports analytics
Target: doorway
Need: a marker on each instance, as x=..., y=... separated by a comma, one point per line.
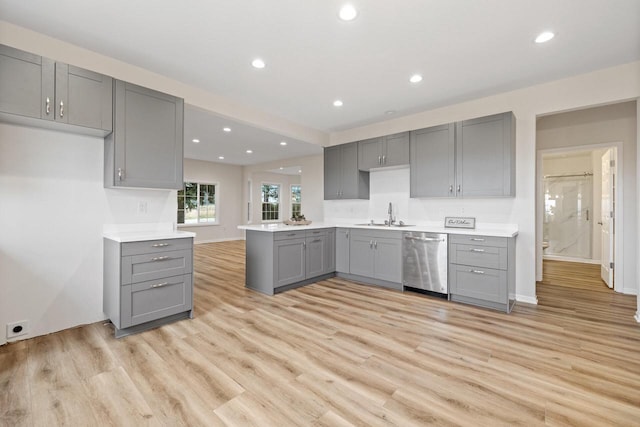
x=579, y=193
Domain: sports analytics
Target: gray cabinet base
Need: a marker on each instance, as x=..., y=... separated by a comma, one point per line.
x=482, y=303
x=301, y=283
x=119, y=333
x=371, y=281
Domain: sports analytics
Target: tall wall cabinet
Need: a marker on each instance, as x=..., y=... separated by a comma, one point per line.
x=472, y=158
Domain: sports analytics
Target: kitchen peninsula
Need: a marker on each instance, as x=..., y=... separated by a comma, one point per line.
x=281, y=257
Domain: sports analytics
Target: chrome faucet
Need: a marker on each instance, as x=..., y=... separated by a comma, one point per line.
x=390, y=221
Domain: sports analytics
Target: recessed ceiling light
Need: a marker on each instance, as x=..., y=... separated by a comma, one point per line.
x=416, y=78
x=258, y=63
x=283, y=143
x=348, y=12
x=390, y=112
x=226, y=129
x=281, y=168
x=299, y=170
x=337, y=103
x=195, y=141
x=221, y=157
x=544, y=37
x=249, y=151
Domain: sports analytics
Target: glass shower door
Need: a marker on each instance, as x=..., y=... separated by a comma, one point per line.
x=568, y=212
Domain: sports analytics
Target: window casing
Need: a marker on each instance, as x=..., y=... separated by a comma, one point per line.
x=270, y=202
x=197, y=203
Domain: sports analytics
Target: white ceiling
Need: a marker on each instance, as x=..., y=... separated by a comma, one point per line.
x=464, y=48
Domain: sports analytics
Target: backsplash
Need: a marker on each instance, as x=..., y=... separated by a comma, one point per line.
x=393, y=185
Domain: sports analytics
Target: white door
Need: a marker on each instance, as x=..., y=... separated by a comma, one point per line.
x=608, y=208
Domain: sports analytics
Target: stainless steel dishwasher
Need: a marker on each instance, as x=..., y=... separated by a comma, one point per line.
x=424, y=265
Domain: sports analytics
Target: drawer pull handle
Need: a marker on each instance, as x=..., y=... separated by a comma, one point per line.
x=159, y=245
x=476, y=250
x=476, y=239
x=160, y=258
x=291, y=234
x=159, y=285
x=316, y=241
x=476, y=271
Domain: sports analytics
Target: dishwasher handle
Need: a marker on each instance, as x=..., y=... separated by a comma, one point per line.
x=425, y=239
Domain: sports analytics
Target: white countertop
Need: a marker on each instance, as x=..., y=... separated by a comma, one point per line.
x=141, y=232
x=493, y=230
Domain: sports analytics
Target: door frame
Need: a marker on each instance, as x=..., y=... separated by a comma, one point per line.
x=618, y=284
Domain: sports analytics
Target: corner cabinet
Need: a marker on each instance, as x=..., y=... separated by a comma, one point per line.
x=390, y=150
x=147, y=283
x=56, y=94
x=342, y=179
x=472, y=158
x=145, y=148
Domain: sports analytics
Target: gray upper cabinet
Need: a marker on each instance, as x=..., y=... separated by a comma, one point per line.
x=472, y=158
x=342, y=179
x=145, y=148
x=33, y=87
x=390, y=150
x=485, y=155
x=433, y=162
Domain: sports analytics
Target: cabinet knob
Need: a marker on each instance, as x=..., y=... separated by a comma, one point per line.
x=476, y=271
x=458, y=188
x=61, y=109
x=120, y=174
x=451, y=189
x=384, y=160
x=48, y=106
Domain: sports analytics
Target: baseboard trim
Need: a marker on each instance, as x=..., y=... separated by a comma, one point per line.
x=226, y=239
x=571, y=259
x=629, y=291
x=637, y=316
x=527, y=299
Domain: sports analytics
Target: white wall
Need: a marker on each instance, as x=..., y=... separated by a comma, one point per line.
x=229, y=199
x=597, y=88
x=311, y=180
x=608, y=124
x=53, y=210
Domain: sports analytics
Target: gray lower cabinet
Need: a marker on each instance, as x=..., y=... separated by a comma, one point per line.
x=34, y=87
x=472, y=158
x=342, y=179
x=389, y=150
x=376, y=254
x=342, y=250
x=145, y=148
x=147, y=283
x=482, y=270
x=282, y=260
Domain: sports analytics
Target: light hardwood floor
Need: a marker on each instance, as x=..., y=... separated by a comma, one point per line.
x=336, y=353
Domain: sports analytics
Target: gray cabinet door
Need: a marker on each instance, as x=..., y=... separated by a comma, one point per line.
x=332, y=165
x=331, y=251
x=361, y=257
x=315, y=256
x=369, y=154
x=433, y=162
x=26, y=84
x=354, y=183
x=145, y=148
x=486, y=156
x=289, y=261
x=388, y=259
x=342, y=250
x=396, y=149
x=83, y=98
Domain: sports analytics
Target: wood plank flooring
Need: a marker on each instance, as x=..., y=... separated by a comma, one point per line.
x=337, y=353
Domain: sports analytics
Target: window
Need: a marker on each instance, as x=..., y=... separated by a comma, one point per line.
x=270, y=202
x=296, y=200
x=197, y=203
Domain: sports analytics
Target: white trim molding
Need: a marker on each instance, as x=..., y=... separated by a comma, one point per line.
x=637, y=316
x=527, y=299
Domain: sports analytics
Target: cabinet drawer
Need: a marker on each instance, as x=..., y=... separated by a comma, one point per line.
x=140, y=268
x=480, y=283
x=479, y=256
x=466, y=239
x=151, y=300
x=155, y=246
x=317, y=233
x=284, y=235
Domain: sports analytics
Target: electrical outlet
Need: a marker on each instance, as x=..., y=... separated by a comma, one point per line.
x=142, y=208
x=17, y=329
